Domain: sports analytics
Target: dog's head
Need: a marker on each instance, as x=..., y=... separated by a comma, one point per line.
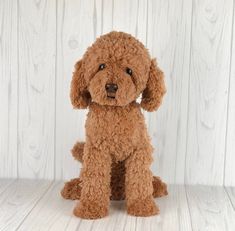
x=114, y=71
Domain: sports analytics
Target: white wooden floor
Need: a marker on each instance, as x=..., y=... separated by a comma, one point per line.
x=37, y=205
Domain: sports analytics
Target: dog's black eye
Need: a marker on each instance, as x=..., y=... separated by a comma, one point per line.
x=129, y=71
x=101, y=66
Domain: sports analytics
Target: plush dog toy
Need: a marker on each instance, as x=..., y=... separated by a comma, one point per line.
x=117, y=153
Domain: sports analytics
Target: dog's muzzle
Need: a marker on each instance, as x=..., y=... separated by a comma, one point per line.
x=111, y=89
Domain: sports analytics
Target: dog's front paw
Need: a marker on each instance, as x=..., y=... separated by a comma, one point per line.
x=90, y=210
x=143, y=208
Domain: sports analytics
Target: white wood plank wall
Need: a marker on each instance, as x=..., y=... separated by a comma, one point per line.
x=194, y=41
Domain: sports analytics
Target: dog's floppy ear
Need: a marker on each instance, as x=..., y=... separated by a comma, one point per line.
x=155, y=89
x=79, y=95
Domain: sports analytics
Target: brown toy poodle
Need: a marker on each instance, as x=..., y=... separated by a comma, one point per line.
x=117, y=153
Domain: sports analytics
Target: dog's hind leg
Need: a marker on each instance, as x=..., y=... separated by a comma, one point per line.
x=159, y=187
x=118, y=183
x=72, y=189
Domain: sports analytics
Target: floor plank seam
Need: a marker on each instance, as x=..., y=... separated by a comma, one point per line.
x=229, y=198
x=92, y=225
x=135, y=223
x=186, y=194
x=36, y=203
x=79, y=224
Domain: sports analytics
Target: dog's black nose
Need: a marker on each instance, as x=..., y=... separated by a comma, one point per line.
x=111, y=87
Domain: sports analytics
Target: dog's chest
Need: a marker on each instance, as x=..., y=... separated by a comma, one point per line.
x=116, y=131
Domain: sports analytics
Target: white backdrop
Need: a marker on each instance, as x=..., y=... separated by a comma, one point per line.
x=194, y=41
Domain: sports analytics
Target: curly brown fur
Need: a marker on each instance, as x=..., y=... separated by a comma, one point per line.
x=72, y=188
x=114, y=71
x=77, y=151
x=117, y=181
x=159, y=187
x=143, y=207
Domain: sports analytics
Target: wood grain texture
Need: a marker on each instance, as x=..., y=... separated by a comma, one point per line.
x=117, y=220
x=37, y=205
x=107, y=15
x=231, y=194
x=52, y=212
x=4, y=183
x=55, y=213
x=37, y=39
x=8, y=88
x=208, y=91
x=18, y=200
x=210, y=208
x=132, y=18
x=229, y=167
x=174, y=213
x=76, y=31
x=168, y=39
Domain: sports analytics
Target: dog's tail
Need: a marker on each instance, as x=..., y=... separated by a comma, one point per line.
x=77, y=151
